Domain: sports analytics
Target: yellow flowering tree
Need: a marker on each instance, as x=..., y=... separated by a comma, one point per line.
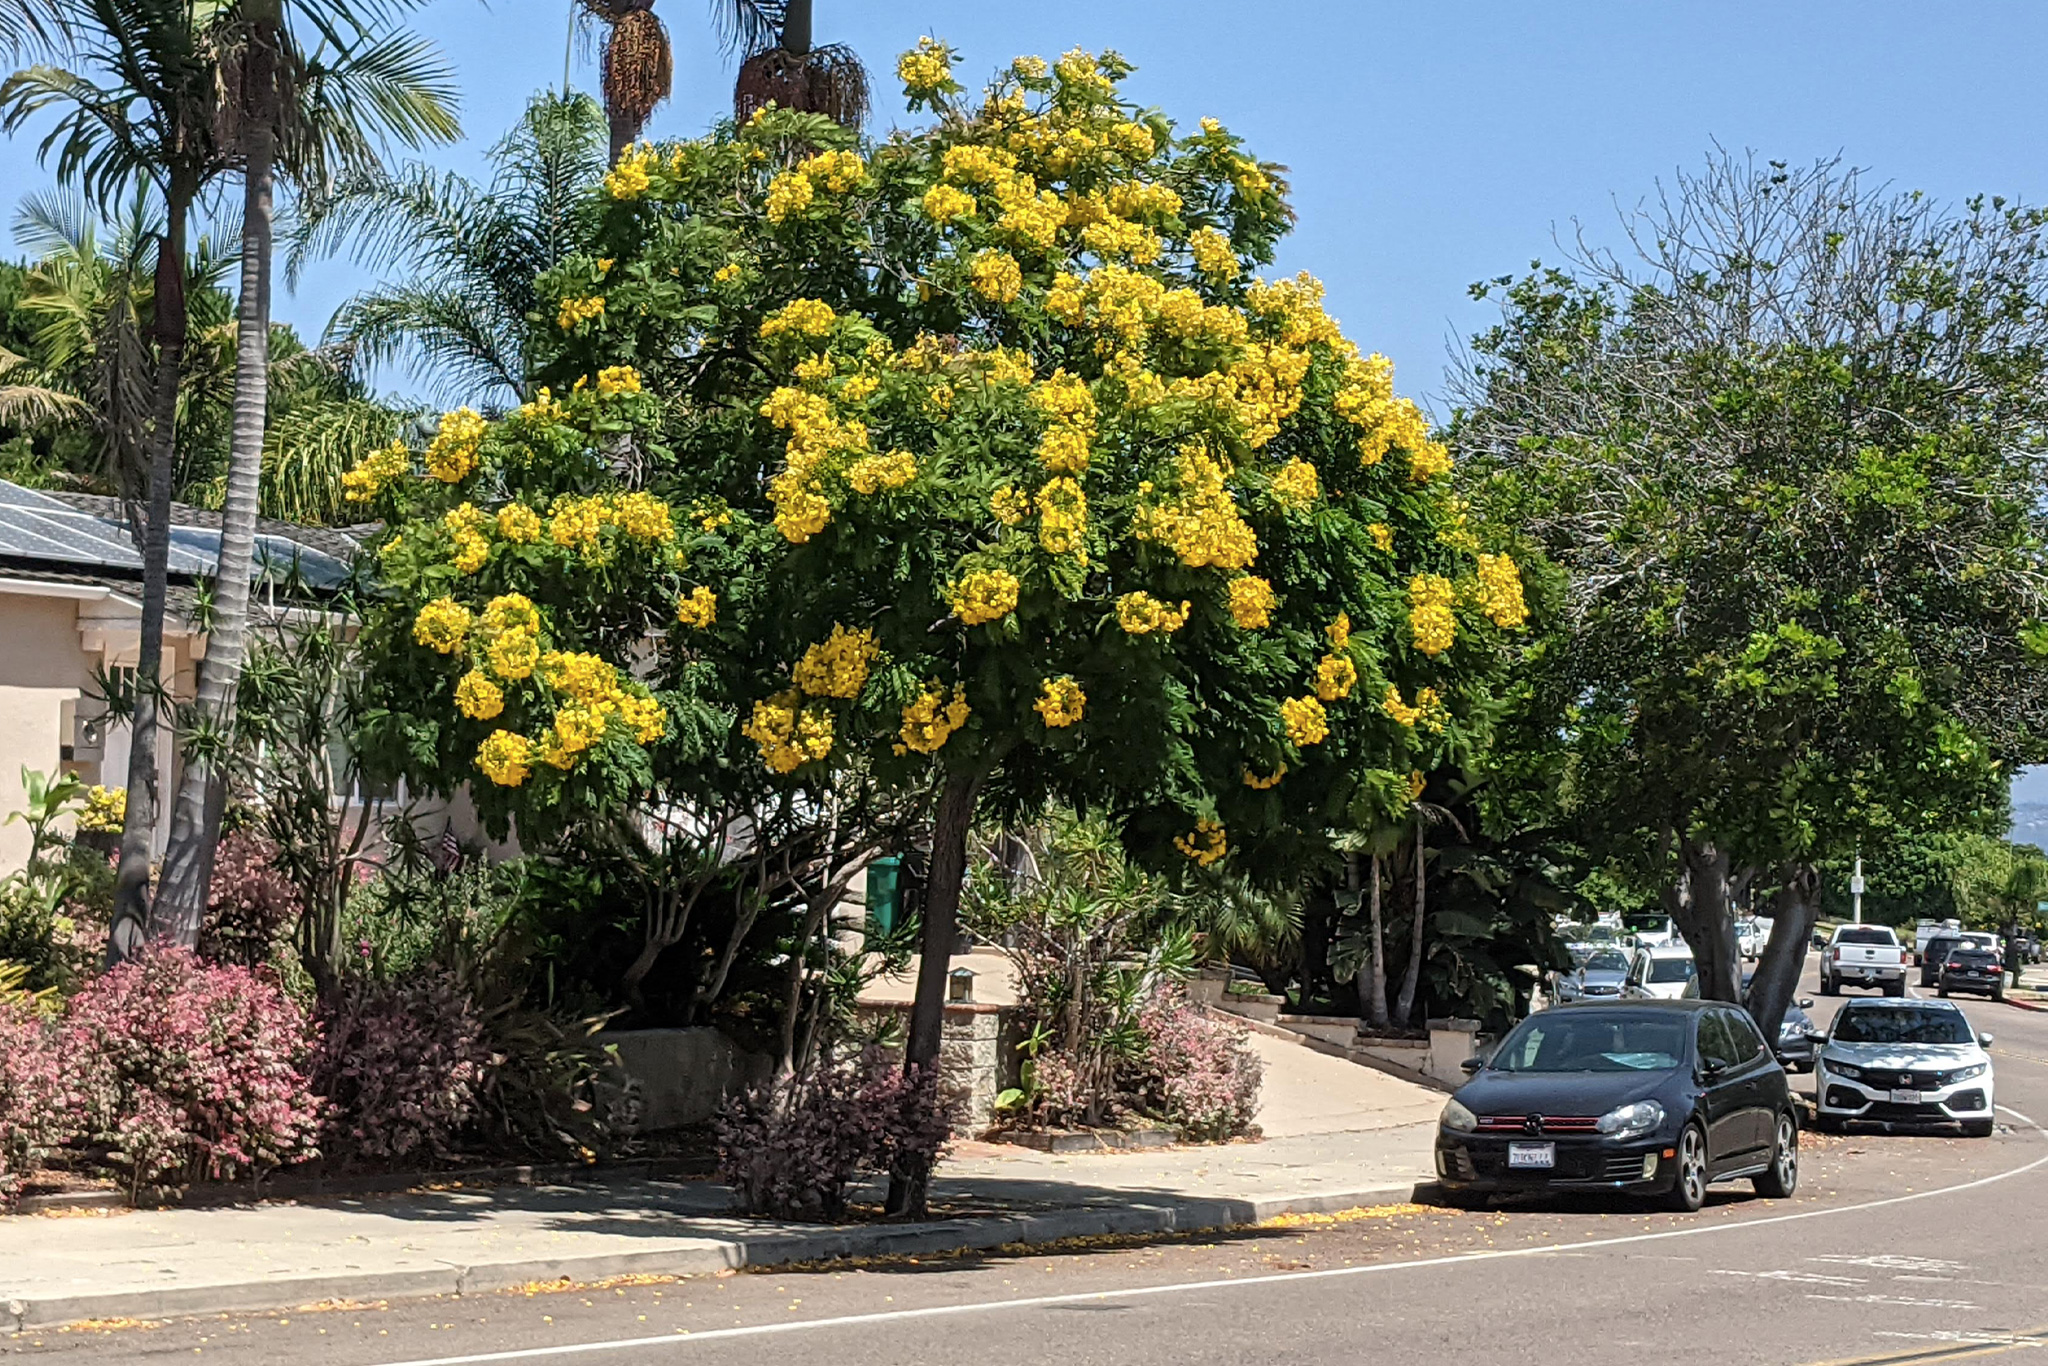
x=981, y=458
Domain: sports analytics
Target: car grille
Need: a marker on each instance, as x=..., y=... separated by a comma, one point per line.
x=1573, y=1164
x=1625, y=1168
x=1904, y=1081
x=1903, y=1114
x=1547, y=1124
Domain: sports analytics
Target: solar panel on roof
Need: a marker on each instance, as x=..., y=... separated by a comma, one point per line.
x=34, y=526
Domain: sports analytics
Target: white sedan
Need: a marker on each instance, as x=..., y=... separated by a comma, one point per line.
x=1904, y=1062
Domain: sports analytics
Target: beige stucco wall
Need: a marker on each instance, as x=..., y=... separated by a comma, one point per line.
x=41, y=668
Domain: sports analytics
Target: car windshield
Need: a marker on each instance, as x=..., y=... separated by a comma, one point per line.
x=1669, y=970
x=1607, y=960
x=1864, y=936
x=1901, y=1024
x=1592, y=1039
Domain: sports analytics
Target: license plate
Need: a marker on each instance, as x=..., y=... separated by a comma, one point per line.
x=1905, y=1097
x=1532, y=1154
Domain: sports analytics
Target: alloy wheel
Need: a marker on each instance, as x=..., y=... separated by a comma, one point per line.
x=1692, y=1167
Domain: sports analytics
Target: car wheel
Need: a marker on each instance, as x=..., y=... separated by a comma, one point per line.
x=1977, y=1128
x=1782, y=1177
x=1828, y=987
x=1896, y=987
x=1689, y=1187
x=1462, y=1200
x=1942, y=991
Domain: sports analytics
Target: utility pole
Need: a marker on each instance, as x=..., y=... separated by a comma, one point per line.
x=1856, y=887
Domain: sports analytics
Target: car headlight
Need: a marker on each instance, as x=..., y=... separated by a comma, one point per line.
x=1458, y=1119
x=1965, y=1073
x=1631, y=1121
x=1843, y=1069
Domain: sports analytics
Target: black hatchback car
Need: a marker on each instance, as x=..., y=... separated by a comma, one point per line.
x=1652, y=1098
x=1969, y=968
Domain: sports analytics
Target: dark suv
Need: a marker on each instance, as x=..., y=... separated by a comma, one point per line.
x=1975, y=970
x=1933, y=956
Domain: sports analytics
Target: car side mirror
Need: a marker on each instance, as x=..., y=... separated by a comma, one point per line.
x=1816, y=1039
x=1471, y=1065
x=1983, y=1041
x=1806, y=1003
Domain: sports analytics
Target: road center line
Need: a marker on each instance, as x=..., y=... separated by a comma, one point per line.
x=1191, y=1287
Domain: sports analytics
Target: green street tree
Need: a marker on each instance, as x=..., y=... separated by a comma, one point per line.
x=1788, y=450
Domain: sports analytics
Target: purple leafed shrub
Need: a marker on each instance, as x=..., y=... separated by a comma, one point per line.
x=791, y=1151
x=190, y=1071
x=37, y=1107
x=250, y=904
x=1200, y=1073
x=399, y=1066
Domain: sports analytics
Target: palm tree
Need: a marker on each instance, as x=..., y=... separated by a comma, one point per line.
x=462, y=258
x=304, y=115
x=1426, y=814
x=793, y=74
x=138, y=101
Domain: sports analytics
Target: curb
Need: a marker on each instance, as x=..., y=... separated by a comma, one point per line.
x=2018, y=1004
x=705, y=1257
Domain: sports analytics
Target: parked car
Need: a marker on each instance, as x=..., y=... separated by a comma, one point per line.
x=1660, y=973
x=1654, y=1098
x=1795, y=1046
x=1601, y=975
x=1933, y=954
x=1969, y=968
x=1863, y=955
x=1749, y=940
x=1903, y=1062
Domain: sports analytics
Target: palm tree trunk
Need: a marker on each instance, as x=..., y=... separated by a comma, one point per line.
x=1376, y=983
x=796, y=27
x=195, y=816
x=1404, y=1008
x=138, y=829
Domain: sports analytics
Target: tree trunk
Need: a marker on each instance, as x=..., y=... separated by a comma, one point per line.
x=1312, y=967
x=1697, y=902
x=138, y=829
x=909, y=1191
x=195, y=815
x=1776, y=978
x=1404, y=1007
x=1375, y=987
x=796, y=28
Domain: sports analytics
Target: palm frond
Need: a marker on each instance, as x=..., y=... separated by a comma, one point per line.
x=747, y=25
x=457, y=347
x=308, y=448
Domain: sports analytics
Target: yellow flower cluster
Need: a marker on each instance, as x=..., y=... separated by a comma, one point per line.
x=873, y=473
x=1260, y=784
x=944, y=203
x=1400, y=711
x=1068, y=407
x=1305, y=720
x=1114, y=238
x=1063, y=518
x=374, y=471
x=1415, y=785
x=574, y=311
x=1296, y=485
x=1213, y=255
x=816, y=440
x=576, y=522
x=1060, y=702
x=1295, y=308
x=996, y=275
x=1338, y=632
x=931, y=720
x=925, y=69
x=1010, y=505
x=542, y=408
x=788, y=193
x=1208, y=844
x=1201, y=522
x=1251, y=602
x=1499, y=592
x=464, y=526
x=105, y=809
x=838, y=665
x=506, y=758
x=983, y=595
x=477, y=697
x=519, y=523
x=1141, y=614
x=1336, y=676
x=809, y=317
x=726, y=273
x=1429, y=710
x=596, y=694
x=441, y=625
x=511, y=630
x=617, y=379
x=632, y=176
x=836, y=171
x=1429, y=613
x=452, y=454
x=699, y=608
x=1382, y=535
x=789, y=737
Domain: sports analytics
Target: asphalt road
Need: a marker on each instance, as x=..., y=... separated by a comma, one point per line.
x=1898, y=1248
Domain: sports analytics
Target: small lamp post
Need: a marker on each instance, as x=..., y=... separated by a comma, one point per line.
x=960, y=985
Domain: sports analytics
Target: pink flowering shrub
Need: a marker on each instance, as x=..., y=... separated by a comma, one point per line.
x=791, y=1151
x=37, y=1107
x=399, y=1066
x=190, y=1071
x=1198, y=1072
x=251, y=903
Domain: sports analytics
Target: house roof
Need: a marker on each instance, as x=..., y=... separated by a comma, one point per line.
x=53, y=533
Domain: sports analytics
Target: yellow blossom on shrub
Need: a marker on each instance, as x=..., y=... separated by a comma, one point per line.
x=1336, y=675
x=1062, y=517
x=575, y=523
x=574, y=311
x=1400, y=711
x=1201, y=521
x=788, y=193
x=838, y=665
x=1296, y=485
x=1338, y=632
x=1430, y=620
x=930, y=720
x=873, y=473
x=1141, y=614
x=374, y=471
x=726, y=273
x=640, y=515
x=510, y=612
x=836, y=171
x=983, y=595
x=1499, y=591
x=1382, y=535
x=1064, y=450
x=944, y=203
x=1061, y=702
x=506, y=758
x=518, y=523
x=925, y=69
x=810, y=317
x=452, y=454
x=996, y=276
x=1213, y=254
x=617, y=379
x=541, y=408
x=788, y=737
x=1306, y=721
x=105, y=809
x=477, y=697
x=698, y=609
x=1206, y=845
x=1434, y=714
x=630, y=178
x=1251, y=602
x=859, y=389
x=441, y=625
x=1010, y=505
x=1415, y=784
x=514, y=655
x=1260, y=783
x=472, y=552
x=1427, y=460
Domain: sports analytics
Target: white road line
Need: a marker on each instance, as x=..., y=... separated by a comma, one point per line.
x=939, y=1311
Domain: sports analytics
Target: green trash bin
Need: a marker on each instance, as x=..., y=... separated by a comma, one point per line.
x=885, y=894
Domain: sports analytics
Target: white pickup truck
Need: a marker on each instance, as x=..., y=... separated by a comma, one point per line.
x=1864, y=956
